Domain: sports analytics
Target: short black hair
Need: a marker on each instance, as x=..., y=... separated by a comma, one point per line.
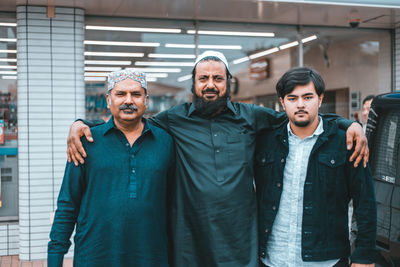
x=228, y=74
x=299, y=76
x=368, y=98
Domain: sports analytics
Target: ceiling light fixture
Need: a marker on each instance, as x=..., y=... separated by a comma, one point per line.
x=264, y=53
x=241, y=60
x=7, y=67
x=7, y=24
x=132, y=29
x=171, y=56
x=8, y=51
x=8, y=60
x=146, y=70
x=231, y=33
x=291, y=44
x=156, y=75
x=13, y=40
x=232, y=47
x=102, y=68
x=9, y=77
x=154, y=63
x=151, y=79
x=95, y=79
x=113, y=54
x=107, y=62
x=305, y=40
x=184, y=78
x=112, y=43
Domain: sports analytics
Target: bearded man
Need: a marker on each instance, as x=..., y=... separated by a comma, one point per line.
x=213, y=212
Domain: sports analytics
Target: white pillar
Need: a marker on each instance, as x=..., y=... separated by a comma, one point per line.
x=51, y=95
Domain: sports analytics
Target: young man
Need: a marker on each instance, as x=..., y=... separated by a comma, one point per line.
x=213, y=207
x=117, y=199
x=304, y=183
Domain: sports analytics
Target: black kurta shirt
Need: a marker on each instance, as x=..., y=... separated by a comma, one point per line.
x=213, y=210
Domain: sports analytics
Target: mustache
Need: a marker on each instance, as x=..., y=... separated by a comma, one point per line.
x=301, y=111
x=209, y=90
x=131, y=107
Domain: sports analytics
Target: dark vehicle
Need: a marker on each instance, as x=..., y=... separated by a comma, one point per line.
x=383, y=133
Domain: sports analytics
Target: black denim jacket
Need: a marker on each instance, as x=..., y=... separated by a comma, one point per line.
x=330, y=184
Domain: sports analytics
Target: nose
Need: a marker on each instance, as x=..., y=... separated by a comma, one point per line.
x=128, y=99
x=300, y=102
x=210, y=83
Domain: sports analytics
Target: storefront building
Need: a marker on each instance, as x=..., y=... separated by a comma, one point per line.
x=54, y=60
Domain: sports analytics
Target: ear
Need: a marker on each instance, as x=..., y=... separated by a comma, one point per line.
x=282, y=103
x=108, y=98
x=320, y=98
x=146, y=101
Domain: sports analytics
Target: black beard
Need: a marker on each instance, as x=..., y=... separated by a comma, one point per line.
x=209, y=108
x=301, y=123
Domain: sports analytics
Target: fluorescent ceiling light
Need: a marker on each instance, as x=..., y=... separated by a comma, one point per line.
x=8, y=72
x=232, y=47
x=254, y=34
x=7, y=67
x=385, y=4
x=140, y=44
x=184, y=78
x=305, y=40
x=171, y=56
x=8, y=60
x=156, y=75
x=95, y=79
x=102, y=68
x=288, y=45
x=132, y=29
x=96, y=74
x=151, y=79
x=241, y=60
x=9, y=77
x=8, y=51
x=174, y=70
x=264, y=53
x=154, y=63
x=107, y=62
x=8, y=40
x=114, y=54
x=6, y=24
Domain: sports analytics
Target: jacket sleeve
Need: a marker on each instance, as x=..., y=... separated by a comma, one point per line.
x=68, y=205
x=268, y=119
x=343, y=123
x=363, y=194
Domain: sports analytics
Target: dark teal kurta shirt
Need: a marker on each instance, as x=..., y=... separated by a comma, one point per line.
x=117, y=200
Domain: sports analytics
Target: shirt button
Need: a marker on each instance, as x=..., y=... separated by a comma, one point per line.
x=217, y=151
x=127, y=144
x=282, y=160
x=215, y=135
x=266, y=230
x=263, y=160
x=332, y=161
x=133, y=171
x=273, y=207
x=278, y=184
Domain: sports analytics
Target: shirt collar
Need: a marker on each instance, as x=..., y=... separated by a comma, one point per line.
x=318, y=131
x=229, y=105
x=109, y=125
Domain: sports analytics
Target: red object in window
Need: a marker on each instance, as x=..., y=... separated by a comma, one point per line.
x=2, y=132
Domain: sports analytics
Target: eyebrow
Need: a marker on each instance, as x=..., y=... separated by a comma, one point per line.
x=306, y=94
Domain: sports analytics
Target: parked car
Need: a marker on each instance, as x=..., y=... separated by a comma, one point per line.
x=383, y=133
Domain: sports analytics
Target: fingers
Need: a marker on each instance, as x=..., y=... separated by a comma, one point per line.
x=349, y=140
x=359, y=157
x=366, y=156
x=88, y=134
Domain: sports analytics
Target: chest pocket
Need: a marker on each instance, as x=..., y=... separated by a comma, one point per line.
x=236, y=147
x=331, y=168
x=263, y=158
